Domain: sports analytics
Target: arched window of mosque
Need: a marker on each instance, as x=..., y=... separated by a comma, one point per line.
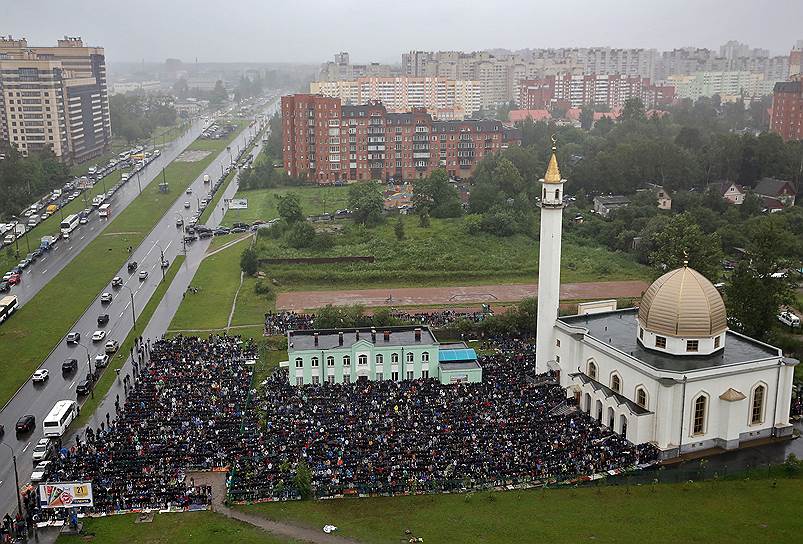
x=409, y=356
x=544, y=193
x=757, y=407
x=314, y=361
x=616, y=383
x=330, y=361
x=557, y=194
x=641, y=397
x=299, y=362
x=425, y=357
x=379, y=359
x=346, y=360
x=362, y=359
x=592, y=370
x=700, y=413
x=394, y=357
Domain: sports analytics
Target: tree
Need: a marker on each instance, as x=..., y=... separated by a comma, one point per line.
x=633, y=110
x=181, y=89
x=682, y=240
x=303, y=480
x=587, y=117
x=219, y=94
x=249, y=262
x=399, y=229
x=289, y=208
x=301, y=235
x=366, y=203
x=437, y=196
x=423, y=219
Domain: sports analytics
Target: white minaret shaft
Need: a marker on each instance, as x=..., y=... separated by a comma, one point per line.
x=549, y=263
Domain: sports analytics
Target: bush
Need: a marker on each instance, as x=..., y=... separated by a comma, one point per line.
x=249, y=262
x=472, y=224
x=264, y=289
x=301, y=235
x=323, y=242
x=303, y=480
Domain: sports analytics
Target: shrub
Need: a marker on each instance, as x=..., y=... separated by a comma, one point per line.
x=301, y=235
x=264, y=289
x=248, y=261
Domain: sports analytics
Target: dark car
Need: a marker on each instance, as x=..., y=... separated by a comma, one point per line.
x=221, y=231
x=239, y=226
x=2, y=431
x=4, y=287
x=25, y=424
x=190, y=238
x=237, y=230
x=132, y=266
x=83, y=388
x=103, y=319
x=69, y=365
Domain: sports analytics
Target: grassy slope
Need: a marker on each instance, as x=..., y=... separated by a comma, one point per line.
x=439, y=255
x=182, y=528
x=710, y=512
x=27, y=338
x=262, y=202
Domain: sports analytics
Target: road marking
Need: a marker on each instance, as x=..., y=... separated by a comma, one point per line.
x=44, y=271
x=121, y=313
x=26, y=447
x=81, y=238
x=71, y=385
x=70, y=247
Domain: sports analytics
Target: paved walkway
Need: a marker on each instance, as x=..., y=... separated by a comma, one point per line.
x=457, y=295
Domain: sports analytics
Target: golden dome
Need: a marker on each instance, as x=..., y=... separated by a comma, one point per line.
x=683, y=303
x=552, y=171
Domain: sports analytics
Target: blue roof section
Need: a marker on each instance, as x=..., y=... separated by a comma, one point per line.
x=453, y=355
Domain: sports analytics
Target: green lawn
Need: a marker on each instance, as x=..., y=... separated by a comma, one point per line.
x=710, y=512
x=26, y=339
x=262, y=202
x=443, y=254
x=181, y=528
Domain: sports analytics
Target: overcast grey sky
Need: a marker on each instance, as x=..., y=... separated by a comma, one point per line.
x=313, y=30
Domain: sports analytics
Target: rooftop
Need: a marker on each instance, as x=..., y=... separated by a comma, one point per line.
x=619, y=329
x=329, y=338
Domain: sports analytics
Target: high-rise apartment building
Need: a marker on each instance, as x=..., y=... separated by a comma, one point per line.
x=54, y=97
x=787, y=109
x=342, y=69
x=442, y=98
x=326, y=141
x=796, y=59
x=599, y=89
x=729, y=85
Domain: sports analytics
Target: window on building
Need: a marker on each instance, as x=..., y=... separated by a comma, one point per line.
x=557, y=342
x=362, y=359
x=346, y=360
x=716, y=342
x=346, y=378
x=299, y=380
x=409, y=356
x=641, y=333
x=757, y=408
x=692, y=345
x=314, y=361
x=316, y=380
x=425, y=357
x=394, y=376
x=425, y=374
x=557, y=194
x=641, y=397
x=410, y=374
x=616, y=383
x=592, y=370
x=330, y=379
x=394, y=357
x=379, y=376
x=700, y=407
x=330, y=361
x=299, y=362
x=660, y=342
x=379, y=359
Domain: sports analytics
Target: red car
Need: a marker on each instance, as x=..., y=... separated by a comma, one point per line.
x=14, y=279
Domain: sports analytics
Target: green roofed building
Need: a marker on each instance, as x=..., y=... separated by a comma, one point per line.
x=387, y=353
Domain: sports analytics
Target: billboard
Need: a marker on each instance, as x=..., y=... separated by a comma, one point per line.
x=238, y=204
x=65, y=495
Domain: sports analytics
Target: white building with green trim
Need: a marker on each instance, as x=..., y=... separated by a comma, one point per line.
x=389, y=353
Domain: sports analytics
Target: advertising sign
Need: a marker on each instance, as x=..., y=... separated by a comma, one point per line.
x=238, y=204
x=65, y=494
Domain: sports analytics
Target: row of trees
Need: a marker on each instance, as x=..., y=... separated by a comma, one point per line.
x=135, y=117
x=25, y=179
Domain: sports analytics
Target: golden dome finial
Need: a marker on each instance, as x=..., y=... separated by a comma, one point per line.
x=552, y=171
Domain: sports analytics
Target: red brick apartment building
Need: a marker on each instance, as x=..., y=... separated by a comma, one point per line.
x=326, y=141
x=787, y=109
x=611, y=90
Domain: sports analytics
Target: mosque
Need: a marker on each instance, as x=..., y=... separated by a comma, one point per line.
x=669, y=372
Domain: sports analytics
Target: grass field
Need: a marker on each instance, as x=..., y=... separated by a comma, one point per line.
x=442, y=254
x=105, y=382
x=183, y=528
x=41, y=323
x=709, y=512
x=262, y=202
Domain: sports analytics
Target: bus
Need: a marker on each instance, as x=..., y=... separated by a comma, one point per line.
x=104, y=210
x=69, y=224
x=8, y=306
x=59, y=418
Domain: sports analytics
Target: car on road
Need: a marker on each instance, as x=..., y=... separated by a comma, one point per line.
x=103, y=319
x=189, y=191
x=132, y=265
x=112, y=346
x=74, y=337
x=14, y=279
x=98, y=336
x=42, y=450
x=117, y=281
x=24, y=263
x=187, y=204
x=789, y=319
x=179, y=221
x=221, y=232
x=41, y=472
x=101, y=360
x=25, y=424
x=40, y=376
x=69, y=365
x=143, y=275
x=238, y=230
x=205, y=234
x=106, y=298
x=4, y=287
x=190, y=238
x=83, y=220
x=83, y=387
x=165, y=263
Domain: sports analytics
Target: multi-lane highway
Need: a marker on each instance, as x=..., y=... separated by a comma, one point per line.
x=164, y=238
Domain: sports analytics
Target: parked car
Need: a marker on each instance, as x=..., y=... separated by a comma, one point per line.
x=165, y=263
x=101, y=360
x=4, y=287
x=24, y=263
x=117, y=282
x=69, y=365
x=106, y=298
x=190, y=238
x=103, y=319
x=40, y=376
x=98, y=336
x=83, y=388
x=43, y=450
x=112, y=346
x=14, y=279
x=205, y=234
x=41, y=472
x=25, y=424
x=789, y=319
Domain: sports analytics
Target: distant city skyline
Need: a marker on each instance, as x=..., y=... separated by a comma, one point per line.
x=309, y=31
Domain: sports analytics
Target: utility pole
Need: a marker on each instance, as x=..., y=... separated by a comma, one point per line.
x=16, y=478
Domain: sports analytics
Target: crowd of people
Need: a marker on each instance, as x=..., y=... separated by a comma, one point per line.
x=184, y=411
x=390, y=437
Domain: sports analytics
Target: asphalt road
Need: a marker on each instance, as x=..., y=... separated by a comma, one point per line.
x=165, y=237
x=52, y=262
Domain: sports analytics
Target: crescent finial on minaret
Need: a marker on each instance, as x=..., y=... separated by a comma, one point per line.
x=552, y=171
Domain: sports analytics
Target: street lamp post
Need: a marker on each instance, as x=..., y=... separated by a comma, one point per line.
x=91, y=373
x=133, y=312
x=161, y=262
x=138, y=182
x=16, y=477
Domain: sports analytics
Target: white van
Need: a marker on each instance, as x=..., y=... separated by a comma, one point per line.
x=59, y=418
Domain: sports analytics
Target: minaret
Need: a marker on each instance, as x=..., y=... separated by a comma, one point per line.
x=549, y=261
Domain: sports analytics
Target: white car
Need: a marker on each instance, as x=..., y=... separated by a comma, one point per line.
x=143, y=275
x=105, y=298
x=187, y=204
x=40, y=472
x=98, y=336
x=101, y=360
x=40, y=375
x=112, y=346
x=789, y=319
x=42, y=450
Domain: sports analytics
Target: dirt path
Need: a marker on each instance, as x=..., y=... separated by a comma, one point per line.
x=458, y=296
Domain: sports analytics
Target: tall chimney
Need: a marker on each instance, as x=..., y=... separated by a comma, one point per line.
x=417, y=334
x=387, y=336
x=357, y=334
x=316, y=338
x=340, y=338
x=373, y=335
